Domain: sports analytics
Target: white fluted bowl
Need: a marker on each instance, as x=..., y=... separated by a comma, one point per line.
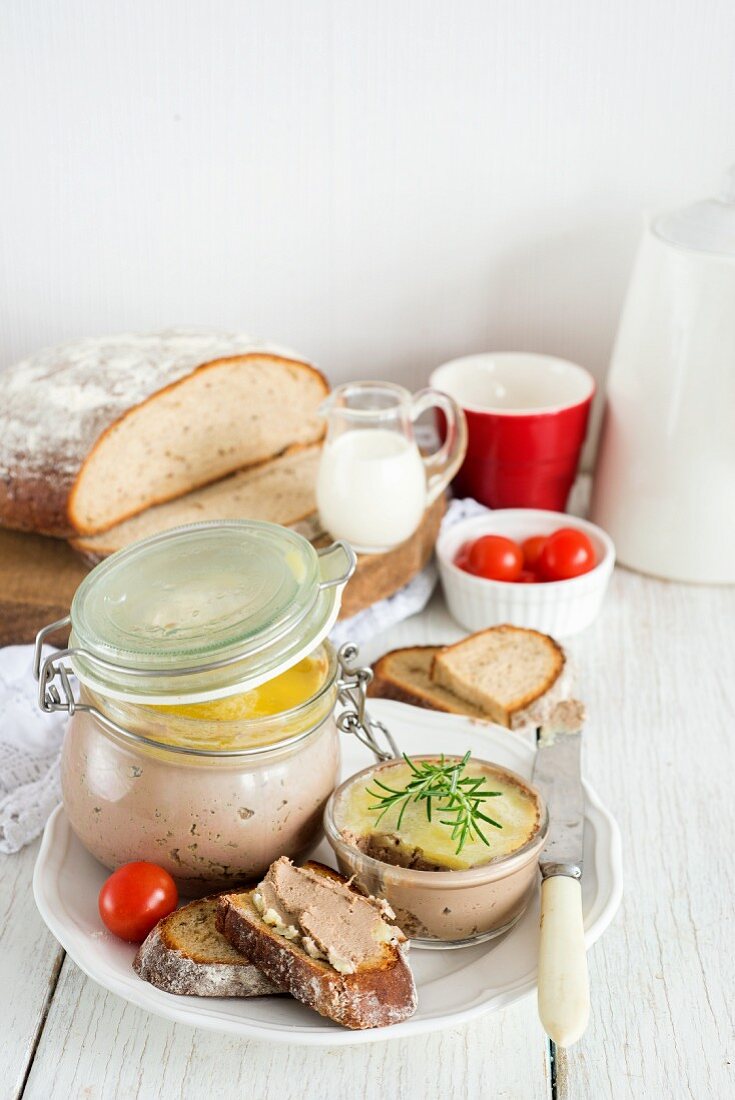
x=559, y=608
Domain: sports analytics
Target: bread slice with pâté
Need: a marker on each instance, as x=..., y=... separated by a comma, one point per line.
x=329, y=946
x=511, y=673
x=186, y=955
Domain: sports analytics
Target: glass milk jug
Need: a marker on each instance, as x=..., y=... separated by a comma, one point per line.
x=665, y=480
x=374, y=485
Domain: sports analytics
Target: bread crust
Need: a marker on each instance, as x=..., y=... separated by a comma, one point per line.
x=38, y=485
x=385, y=686
x=530, y=696
x=371, y=997
x=161, y=961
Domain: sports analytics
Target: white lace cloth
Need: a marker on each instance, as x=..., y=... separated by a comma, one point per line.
x=30, y=741
x=30, y=744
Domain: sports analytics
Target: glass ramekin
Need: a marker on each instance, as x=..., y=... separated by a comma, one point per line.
x=444, y=909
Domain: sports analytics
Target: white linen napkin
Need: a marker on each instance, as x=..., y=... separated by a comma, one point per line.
x=30, y=741
x=410, y=599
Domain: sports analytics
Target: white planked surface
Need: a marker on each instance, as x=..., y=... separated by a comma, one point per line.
x=663, y=1015
x=29, y=961
x=657, y=675
x=98, y=1046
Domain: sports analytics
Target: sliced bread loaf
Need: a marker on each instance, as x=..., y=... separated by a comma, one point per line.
x=509, y=672
x=186, y=955
x=327, y=945
x=405, y=675
x=281, y=490
x=94, y=432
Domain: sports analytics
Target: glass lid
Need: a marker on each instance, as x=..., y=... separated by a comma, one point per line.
x=205, y=610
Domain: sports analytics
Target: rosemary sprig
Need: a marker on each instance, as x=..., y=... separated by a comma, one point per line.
x=441, y=786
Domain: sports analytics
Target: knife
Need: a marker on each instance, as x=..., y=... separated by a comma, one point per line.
x=563, y=982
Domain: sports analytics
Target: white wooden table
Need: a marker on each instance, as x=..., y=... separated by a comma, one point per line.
x=658, y=674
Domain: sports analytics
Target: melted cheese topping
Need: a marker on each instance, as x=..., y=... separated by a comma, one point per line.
x=516, y=810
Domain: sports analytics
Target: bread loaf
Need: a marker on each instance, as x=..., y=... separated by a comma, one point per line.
x=94, y=432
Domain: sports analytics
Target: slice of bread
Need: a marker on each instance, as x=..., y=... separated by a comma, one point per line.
x=405, y=675
x=381, y=991
x=186, y=955
x=504, y=671
x=282, y=490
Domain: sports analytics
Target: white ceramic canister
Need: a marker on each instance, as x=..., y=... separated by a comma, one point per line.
x=665, y=481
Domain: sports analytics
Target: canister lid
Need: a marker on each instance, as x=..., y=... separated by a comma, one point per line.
x=706, y=226
x=204, y=611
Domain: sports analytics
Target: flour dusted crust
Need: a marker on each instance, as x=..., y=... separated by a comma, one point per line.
x=174, y=972
x=188, y=970
x=58, y=405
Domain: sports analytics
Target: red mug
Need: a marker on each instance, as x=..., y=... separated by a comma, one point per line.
x=526, y=419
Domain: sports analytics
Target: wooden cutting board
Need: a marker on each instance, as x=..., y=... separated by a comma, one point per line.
x=38, y=577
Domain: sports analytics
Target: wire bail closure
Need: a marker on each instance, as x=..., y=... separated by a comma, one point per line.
x=355, y=719
x=352, y=685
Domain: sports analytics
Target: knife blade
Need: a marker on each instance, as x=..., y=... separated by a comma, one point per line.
x=563, y=982
x=557, y=774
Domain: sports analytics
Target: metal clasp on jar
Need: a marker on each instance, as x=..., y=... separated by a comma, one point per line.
x=352, y=687
x=354, y=719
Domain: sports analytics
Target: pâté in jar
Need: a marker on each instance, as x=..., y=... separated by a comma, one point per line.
x=204, y=737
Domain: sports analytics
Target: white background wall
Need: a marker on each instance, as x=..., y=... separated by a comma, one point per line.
x=382, y=185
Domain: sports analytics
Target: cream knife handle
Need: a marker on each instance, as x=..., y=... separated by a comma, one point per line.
x=563, y=982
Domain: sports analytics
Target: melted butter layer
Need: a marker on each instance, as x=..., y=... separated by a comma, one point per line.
x=516, y=810
x=241, y=721
x=294, y=686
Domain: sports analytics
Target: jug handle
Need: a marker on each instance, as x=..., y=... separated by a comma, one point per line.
x=442, y=465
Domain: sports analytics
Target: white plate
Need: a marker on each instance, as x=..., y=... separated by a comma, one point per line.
x=454, y=986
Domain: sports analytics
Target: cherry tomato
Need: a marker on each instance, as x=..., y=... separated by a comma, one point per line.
x=567, y=553
x=462, y=558
x=532, y=551
x=527, y=576
x=135, y=898
x=495, y=558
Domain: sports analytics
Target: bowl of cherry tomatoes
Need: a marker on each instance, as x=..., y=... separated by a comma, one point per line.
x=543, y=570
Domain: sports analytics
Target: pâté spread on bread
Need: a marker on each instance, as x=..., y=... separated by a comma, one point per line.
x=203, y=738
x=331, y=923
x=303, y=931
x=314, y=936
